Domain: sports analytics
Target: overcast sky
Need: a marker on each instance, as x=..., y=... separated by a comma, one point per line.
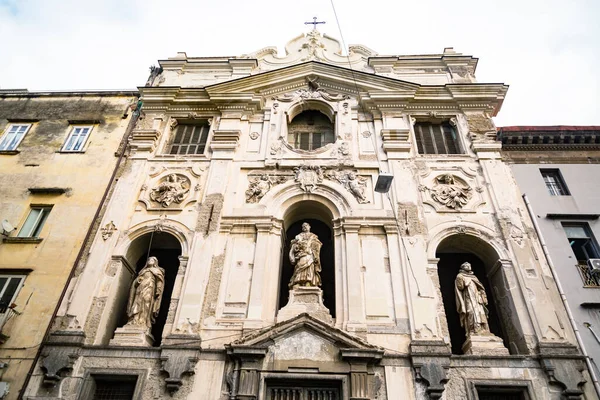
x=547, y=51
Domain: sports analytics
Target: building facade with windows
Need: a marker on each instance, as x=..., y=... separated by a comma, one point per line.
x=57, y=155
x=557, y=169
x=253, y=257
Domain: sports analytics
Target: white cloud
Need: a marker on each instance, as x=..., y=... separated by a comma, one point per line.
x=546, y=51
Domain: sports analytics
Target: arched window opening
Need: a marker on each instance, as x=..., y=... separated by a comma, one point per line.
x=452, y=253
x=320, y=220
x=167, y=249
x=310, y=130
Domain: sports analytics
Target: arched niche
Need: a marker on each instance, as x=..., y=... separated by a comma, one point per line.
x=310, y=126
x=167, y=249
x=452, y=252
x=320, y=219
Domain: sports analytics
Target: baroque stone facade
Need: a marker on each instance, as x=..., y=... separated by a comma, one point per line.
x=227, y=168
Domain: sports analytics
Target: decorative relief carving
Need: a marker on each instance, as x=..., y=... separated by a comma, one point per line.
x=366, y=134
x=108, y=230
x=254, y=135
x=313, y=92
x=344, y=150
x=173, y=189
x=260, y=185
x=308, y=177
x=449, y=193
x=275, y=148
x=481, y=127
x=354, y=183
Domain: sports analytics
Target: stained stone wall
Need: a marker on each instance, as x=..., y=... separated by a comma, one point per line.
x=235, y=202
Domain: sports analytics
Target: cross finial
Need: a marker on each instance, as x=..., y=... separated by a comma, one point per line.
x=314, y=23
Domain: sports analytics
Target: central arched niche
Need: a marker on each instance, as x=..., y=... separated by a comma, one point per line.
x=452, y=252
x=167, y=249
x=320, y=220
x=310, y=130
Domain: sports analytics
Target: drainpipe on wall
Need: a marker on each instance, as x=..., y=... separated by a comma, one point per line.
x=87, y=237
x=562, y=295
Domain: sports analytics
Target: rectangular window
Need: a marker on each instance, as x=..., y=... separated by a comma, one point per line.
x=35, y=221
x=13, y=136
x=109, y=387
x=585, y=248
x=502, y=393
x=77, y=138
x=190, y=139
x=436, y=138
x=554, y=183
x=9, y=289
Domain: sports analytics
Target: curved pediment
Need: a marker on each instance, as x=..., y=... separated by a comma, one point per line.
x=313, y=46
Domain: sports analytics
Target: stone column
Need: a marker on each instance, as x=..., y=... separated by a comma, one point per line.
x=361, y=371
x=245, y=381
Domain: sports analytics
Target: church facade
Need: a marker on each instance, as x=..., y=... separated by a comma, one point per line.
x=314, y=225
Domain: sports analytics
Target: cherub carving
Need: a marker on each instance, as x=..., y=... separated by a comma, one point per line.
x=354, y=183
x=260, y=185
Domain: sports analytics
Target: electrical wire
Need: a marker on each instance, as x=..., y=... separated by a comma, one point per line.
x=360, y=104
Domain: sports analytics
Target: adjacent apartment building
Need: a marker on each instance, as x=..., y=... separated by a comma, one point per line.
x=557, y=168
x=57, y=156
x=325, y=224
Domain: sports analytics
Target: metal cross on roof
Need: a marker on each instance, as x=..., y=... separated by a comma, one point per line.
x=314, y=23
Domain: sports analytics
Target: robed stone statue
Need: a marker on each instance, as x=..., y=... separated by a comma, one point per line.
x=305, y=257
x=145, y=295
x=471, y=302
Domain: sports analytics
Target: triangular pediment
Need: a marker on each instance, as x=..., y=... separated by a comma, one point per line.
x=303, y=327
x=344, y=80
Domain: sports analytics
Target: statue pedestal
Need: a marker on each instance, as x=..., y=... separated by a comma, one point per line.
x=484, y=345
x=132, y=336
x=305, y=299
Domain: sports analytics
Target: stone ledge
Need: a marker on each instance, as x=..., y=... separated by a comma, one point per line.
x=22, y=240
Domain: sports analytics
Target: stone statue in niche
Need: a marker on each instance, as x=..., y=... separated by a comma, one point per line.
x=447, y=192
x=260, y=185
x=308, y=177
x=471, y=302
x=145, y=295
x=305, y=256
x=354, y=183
x=172, y=190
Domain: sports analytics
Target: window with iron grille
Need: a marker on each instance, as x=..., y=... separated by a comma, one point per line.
x=109, y=387
x=310, y=130
x=502, y=393
x=303, y=390
x=436, y=138
x=554, y=182
x=190, y=138
x=13, y=136
x=584, y=248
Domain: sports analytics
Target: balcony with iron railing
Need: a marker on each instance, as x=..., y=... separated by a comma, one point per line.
x=590, y=278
